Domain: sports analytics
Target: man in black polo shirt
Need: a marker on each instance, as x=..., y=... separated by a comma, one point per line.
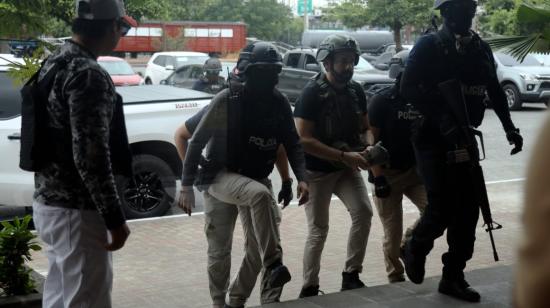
x=390, y=118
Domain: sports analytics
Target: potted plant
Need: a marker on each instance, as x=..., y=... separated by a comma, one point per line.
x=18, y=285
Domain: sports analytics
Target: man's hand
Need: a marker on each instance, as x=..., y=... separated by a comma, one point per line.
x=515, y=138
x=118, y=237
x=355, y=160
x=302, y=192
x=187, y=199
x=285, y=195
x=382, y=188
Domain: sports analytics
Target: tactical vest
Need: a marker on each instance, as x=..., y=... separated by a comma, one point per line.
x=473, y=76
x=340, y=118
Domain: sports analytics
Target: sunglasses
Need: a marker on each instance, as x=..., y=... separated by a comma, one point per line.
x=124, y=27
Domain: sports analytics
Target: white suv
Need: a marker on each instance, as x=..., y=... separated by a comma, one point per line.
x=162, y=64
x=153, y=113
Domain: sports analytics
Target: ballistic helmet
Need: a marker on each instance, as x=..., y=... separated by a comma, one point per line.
x=259, y=53
x=335, y=43
x=439, y=3
x=212, y=66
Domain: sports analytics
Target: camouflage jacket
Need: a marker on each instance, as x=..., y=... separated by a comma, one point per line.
x=80, y=104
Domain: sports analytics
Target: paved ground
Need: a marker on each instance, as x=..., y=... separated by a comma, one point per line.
x=493, y=283
x=164, y=261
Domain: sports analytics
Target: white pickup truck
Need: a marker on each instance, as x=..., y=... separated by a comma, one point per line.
x=152, y=115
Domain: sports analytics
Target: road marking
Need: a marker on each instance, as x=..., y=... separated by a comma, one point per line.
x=296, y=203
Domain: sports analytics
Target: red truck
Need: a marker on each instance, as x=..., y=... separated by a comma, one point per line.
x=208, y=37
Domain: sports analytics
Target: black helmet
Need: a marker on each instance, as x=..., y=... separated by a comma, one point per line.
x=259, y=53
x=212, y=66
x=439, y=3
x=337, y=43
x=397, y=63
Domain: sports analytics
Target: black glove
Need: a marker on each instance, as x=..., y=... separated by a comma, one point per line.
x=515, y=138
x=286, y=194
x=382, y=188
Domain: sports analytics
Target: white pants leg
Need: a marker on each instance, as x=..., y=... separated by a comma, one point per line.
x=79, y=267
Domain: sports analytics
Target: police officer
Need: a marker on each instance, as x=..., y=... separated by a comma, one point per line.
x=210, y=81
x=77, y=210
x=453, y=53
x=331, y=115
x=219, y=238
x=244, y=127
x=390, y=118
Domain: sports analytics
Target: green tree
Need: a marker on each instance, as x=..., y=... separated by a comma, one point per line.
x=351, y=13
x=397, y=14
x=21, y=18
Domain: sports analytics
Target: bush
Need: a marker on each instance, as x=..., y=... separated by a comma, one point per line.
x=16, y=243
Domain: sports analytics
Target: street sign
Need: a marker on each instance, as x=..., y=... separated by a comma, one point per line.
x=301, y=7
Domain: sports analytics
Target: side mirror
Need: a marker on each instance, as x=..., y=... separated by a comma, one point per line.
x=169, y=67
x=313, y=67
x=140, y=74
x=164, y=82
x=382, y=66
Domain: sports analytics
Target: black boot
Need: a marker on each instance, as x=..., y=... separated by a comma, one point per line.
x=460, y=289
x=227, y=306
x=351, y=281
x=309, y=291
x=414, y=265
x=278, y=275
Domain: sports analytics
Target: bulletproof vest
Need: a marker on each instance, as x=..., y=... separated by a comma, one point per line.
x=42, y=144
x=340, y=117
x=236, y=157
x=473, y=66
x=213, y=88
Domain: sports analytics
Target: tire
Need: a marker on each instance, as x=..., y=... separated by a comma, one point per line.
x=512, y=96
x=148, y=81
x=153, y=192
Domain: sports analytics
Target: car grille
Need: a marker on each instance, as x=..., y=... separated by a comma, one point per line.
x=545, y=85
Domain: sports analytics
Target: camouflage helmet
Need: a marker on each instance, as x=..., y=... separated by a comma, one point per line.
x=397, y=63
x=337, y=43
x=259, y=53
x=212, y=66
x=439, y=3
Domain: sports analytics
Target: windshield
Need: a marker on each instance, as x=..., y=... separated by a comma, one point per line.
x=191, y=60
x=508, y=60
x=117, y=67
x=363, y=65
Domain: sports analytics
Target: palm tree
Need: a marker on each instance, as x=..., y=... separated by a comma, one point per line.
x=520, y=46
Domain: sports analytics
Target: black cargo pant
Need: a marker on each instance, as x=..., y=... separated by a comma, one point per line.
x=451, y=206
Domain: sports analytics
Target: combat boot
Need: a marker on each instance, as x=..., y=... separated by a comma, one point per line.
x=460, y=289
x=309, y=291
x=351, y=281
x=414, y=265
x=278, y=275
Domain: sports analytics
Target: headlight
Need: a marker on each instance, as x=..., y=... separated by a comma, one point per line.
x=528, y=77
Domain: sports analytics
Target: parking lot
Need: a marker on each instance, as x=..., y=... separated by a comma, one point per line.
x=164, y=261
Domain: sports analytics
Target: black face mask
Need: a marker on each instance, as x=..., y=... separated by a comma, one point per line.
x=458, y=16
x=262, y=80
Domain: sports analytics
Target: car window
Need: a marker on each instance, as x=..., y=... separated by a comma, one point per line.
x=385, y=57
x=181, y=75
x=10, y=101
x=180, y=61
x=508, y=60
x=170, y=61
x=310, y=60
x=117, y=67
x=196, y=72
x=160, y=60
x=363, y=65
x=293, y=60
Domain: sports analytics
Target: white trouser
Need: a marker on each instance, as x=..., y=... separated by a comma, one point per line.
x=79, y=267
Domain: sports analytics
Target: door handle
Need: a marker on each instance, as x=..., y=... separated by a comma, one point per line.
x=15, y=136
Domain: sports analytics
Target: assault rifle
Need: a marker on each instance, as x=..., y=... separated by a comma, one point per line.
x=467, y=152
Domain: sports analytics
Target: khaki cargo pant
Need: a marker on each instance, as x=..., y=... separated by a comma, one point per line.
x=390, y=209
x=349, y=186
x=247, y=198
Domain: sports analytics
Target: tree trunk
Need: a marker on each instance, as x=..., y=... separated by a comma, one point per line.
x=397, y=36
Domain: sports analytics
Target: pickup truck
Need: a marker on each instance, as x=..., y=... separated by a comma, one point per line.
x=152, y=115
x=302, y=62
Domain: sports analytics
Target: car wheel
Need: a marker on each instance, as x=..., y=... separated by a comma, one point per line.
x=152, y=191
x=512, y=96
x=148, y=81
